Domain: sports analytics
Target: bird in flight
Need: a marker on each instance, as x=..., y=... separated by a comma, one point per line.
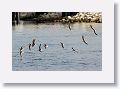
x=29, y=46
x=45, y=45
x=21, y=51
x=40, y=48
x=74, y=50
x=62, y=44
x=93, y=30
x=69, y=25
x=84, y=40
x=33, y=43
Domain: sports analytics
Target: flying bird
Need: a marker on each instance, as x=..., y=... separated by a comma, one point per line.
x=93, y=30
x=29, y=46
x=74, y=50
x=21, y=51
x=45, y=45
x=69, y=25
x=33, y=43
x=62, y=44
x=40, y=48
x=84, y=40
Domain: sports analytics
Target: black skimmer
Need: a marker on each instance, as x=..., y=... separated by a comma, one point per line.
x=33, y=43
x=69, y=25
x=62, y=44
x=45, y=45
x=74, y=50
x=29, y=46
x=93, y=30
x=21, y=51
x=40, y=48
x=84, y=40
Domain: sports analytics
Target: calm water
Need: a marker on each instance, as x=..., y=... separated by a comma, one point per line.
x=55, y=58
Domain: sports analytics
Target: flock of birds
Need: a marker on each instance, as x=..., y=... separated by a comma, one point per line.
x=21, y=49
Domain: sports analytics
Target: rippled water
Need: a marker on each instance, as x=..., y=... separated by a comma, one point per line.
x=55, y=58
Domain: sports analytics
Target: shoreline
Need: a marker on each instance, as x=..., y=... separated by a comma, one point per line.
x=82, y=17
x=42, y=22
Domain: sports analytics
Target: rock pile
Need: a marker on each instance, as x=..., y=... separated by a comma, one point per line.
x=85, y=17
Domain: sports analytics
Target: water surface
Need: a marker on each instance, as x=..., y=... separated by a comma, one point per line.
x=55, y=58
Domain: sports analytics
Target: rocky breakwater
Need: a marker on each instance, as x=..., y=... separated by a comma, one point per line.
x=86, y=17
